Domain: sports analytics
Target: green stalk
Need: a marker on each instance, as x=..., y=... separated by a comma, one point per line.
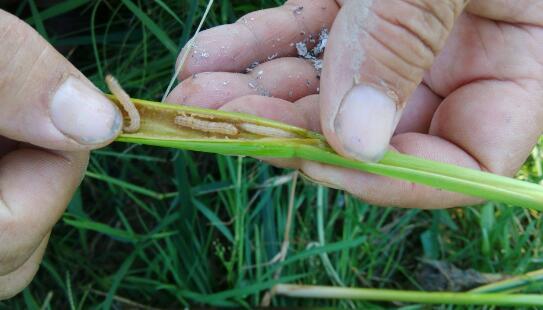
x=485, y=185
x=158, y=129
x=513, y=284
x=323, y=292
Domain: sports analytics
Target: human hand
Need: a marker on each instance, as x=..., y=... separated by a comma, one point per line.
x=50, y=117
x=448, y=82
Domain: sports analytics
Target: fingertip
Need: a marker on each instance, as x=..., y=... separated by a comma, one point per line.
x=364, y=123
x=369, y=49
x=85, y=115
x=46, y=101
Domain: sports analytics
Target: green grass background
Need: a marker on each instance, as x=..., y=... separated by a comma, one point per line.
x=164, y=228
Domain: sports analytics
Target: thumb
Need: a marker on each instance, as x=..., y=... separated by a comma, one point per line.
x=44, y=100
x=377, y=54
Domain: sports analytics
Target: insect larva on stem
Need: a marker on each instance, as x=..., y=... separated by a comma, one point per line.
x=266, y=131
x=206, y=126
x=204, y=116
x=133, y=114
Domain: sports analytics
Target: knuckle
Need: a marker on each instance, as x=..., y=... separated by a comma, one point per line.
x=246, y=23
x=407, y=37
x=424, y=23
x=398, y=55
x=446, y=10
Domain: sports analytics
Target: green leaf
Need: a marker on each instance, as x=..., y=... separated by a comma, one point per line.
x=159, y=33
x=125, y=185
x=430, y=244
x=38, y=20
x=103, y=229
x=214, y=220
x=59, y=9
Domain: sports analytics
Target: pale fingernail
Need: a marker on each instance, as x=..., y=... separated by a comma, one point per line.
x=84, y=114
x=365, y=122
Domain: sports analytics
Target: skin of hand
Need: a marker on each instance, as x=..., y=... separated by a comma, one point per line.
x=50, y=117
x=452, y=81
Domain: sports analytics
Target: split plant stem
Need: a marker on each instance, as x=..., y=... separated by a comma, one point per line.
x=492, y=299
x=159, y=128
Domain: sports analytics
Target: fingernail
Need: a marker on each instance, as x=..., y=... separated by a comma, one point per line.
x=365, y=122
x=84, y=114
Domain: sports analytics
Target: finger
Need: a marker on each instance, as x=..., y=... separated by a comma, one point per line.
x=308, y=107
x=519, y=11
x=304, y=113
x=419, y=111
x=487, y=125
x=35, y=187
x=285, y=78
x=497, y=122
x=385, y=191
x=267, y=107
x=259, y=36
x=377, y=54
x=44, y=100
x=15, y=281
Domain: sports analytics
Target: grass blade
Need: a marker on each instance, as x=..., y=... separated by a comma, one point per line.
x=160, y=34
x=516, y=283
x=170, y=12
x=59, y=9
x=214, y=220
x=125, y=185
x=103, y=229
x=323, y=292
x=38, y=20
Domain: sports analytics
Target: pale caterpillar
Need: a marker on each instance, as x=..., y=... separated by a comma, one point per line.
x=266, y=131
x=133, y=114
x=204, y=116
x=206, y=126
